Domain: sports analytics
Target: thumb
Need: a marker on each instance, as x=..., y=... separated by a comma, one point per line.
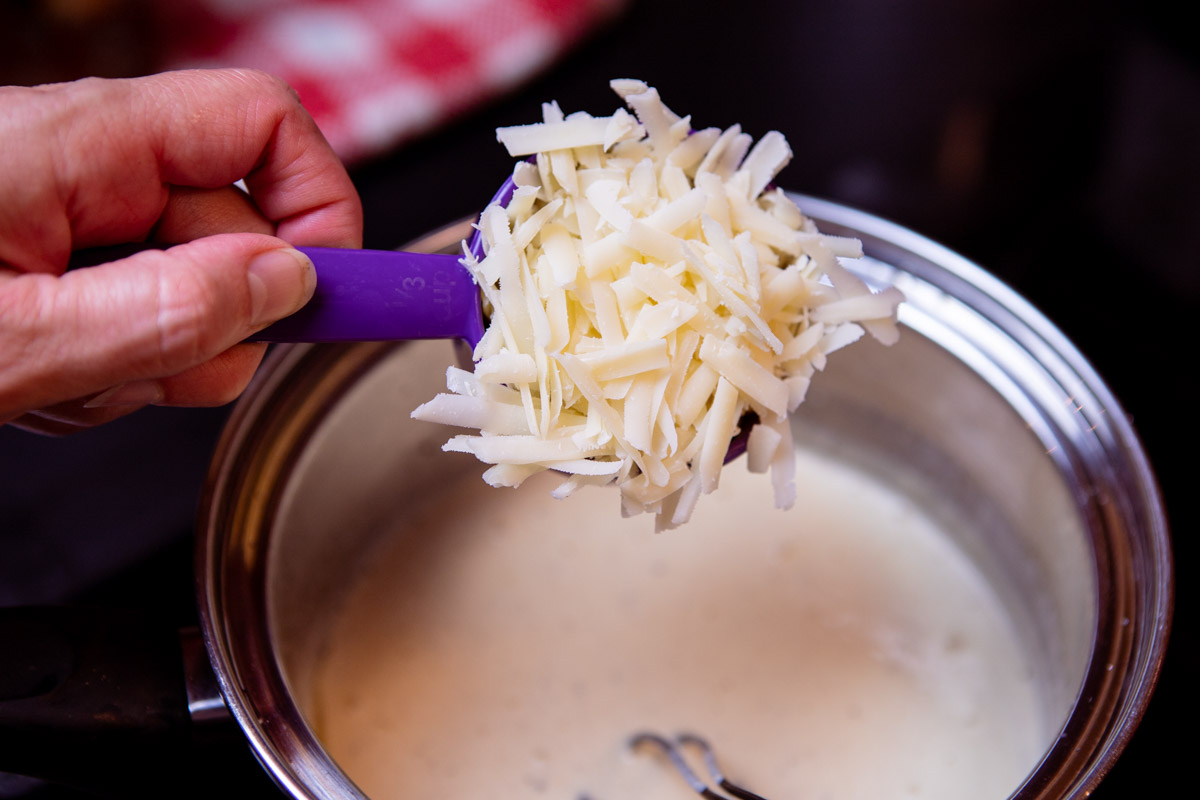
x=148, y=316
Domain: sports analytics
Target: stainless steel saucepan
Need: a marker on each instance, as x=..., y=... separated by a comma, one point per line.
x=983, y=411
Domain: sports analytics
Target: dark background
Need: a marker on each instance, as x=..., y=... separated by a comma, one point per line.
x=1052, y=142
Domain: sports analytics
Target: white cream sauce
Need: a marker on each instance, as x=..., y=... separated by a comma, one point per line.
x=508, y=645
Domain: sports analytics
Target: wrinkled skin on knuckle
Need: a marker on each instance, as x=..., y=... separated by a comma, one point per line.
x=22, y=314
x=257, y=79
x=269, y=98
x=23, y=306
x=194, y=318
x=43, y=358
x=277, y=88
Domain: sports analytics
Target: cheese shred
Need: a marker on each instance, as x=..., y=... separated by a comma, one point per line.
x=648, y=289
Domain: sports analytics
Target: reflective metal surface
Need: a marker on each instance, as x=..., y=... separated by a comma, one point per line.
x=983, y=410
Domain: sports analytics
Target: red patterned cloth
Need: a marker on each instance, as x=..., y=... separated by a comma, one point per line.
x=374, y=73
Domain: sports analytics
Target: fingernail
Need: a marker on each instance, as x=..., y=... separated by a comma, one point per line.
x=280, y=282
x=134, y=393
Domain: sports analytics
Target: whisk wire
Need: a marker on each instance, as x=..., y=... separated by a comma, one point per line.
x=697, y=784
x=710, y=763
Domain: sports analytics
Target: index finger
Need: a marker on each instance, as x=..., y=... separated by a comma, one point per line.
x=101, y=156
x=261, y=133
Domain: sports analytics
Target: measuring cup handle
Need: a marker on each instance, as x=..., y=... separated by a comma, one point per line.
x=383, y=295
x=366, y=295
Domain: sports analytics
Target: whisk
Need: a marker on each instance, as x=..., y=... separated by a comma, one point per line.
x=672, y=749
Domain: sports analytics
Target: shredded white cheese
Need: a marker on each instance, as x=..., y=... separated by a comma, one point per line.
x=647, y=290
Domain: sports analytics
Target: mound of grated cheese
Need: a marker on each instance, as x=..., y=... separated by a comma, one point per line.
x=647, y=288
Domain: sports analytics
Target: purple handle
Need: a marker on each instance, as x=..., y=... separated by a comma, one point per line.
x=366, y=295
x=383, y=295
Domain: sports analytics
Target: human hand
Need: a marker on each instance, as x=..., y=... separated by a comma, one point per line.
x=99, y=162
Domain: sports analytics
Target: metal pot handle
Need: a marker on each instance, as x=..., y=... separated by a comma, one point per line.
x=98, y=698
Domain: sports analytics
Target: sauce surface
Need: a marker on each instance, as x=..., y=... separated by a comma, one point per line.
x=508, y=645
